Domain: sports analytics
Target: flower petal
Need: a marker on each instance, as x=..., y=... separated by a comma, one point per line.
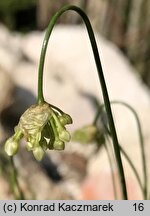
x=11, y=146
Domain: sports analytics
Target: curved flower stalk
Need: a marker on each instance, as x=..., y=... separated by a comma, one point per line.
x=101, y=79
x=99, y=133
x=35, y=137
x=144, y=186
x=42, y=128
x=15, y=187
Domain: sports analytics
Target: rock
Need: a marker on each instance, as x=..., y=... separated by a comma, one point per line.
x=70, y=81
x=70, y=73
x=7, y=89
x=5, y=192
x=10, y=53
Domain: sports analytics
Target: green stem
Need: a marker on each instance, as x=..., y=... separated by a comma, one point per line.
x=133, y=168
x=130, y=163
x=111, y=168
x=56, y=108
x=15, y=184
x=144, y=168
x=101, y=78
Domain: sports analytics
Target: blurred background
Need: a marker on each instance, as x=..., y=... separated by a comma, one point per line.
x=122, y=28
x=124, y=22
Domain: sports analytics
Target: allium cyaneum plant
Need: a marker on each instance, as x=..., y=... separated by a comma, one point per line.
x=43, y=125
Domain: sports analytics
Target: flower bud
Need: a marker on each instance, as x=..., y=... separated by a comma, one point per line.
x=64, y=135
x=65, y=119
x=86, y=134
x=38, y=153
x=59, y=145
x=29, y=146
x=11, y=146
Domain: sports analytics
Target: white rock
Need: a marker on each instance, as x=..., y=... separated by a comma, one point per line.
x=6, y=89
x=10, y=53
x=70, y=70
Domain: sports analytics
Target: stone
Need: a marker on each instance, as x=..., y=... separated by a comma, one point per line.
x=71, y=83
x=6, y=88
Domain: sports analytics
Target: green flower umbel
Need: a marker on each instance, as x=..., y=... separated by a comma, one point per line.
x=43, y=127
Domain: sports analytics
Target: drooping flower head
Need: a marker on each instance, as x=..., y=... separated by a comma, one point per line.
x=43, y=127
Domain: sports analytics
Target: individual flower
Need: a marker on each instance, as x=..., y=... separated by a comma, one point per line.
x=12, y=144
x=86, y=134
x=42, y=127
